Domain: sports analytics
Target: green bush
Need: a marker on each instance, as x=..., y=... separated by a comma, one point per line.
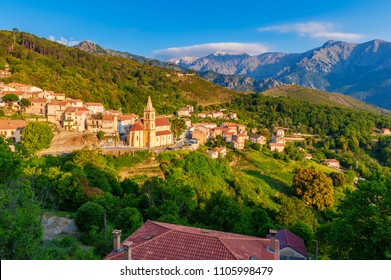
x=89, y=215
x=129, y=219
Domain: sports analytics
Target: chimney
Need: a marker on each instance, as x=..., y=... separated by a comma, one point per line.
x=272, y=234
x=128, y=249
x=116, y=239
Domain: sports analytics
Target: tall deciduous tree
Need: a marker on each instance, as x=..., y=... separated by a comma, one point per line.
x=362, y=229
x=20, y=224
x=314, y=188
x=36, y=136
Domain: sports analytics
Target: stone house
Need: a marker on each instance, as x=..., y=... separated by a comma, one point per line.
x=279, y=147
x=37, y=106
x=258, y=139
x=12, y=129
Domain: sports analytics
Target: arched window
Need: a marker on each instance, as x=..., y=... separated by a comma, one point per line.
x=147, y=116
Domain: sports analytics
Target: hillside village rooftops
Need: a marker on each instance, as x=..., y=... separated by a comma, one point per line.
x=163, y=241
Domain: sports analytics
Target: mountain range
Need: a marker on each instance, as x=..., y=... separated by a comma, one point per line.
x=93, y=48
x=361, y=70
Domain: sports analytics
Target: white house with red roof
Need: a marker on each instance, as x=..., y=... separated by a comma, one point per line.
x=150, y=131
x=163, y=241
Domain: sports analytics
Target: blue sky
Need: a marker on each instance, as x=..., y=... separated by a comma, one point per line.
x=168, y=29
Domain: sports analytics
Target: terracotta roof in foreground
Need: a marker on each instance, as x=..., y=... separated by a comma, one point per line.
x=163, y=241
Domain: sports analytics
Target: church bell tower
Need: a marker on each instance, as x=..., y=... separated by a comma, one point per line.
x=149, y=124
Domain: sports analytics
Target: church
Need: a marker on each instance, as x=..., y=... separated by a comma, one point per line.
x=150, y=131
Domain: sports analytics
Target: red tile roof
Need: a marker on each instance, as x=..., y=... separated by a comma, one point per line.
x=163, y=132
x=219, y=149
x=79, y=113
x=71, y=109
x=289, y=239
x=82, y=109
x=58, y=103
x=128, y=117
x=136, y=127
x=12, y=124
x=163, y=241
x=109, y=117
x=161, y=121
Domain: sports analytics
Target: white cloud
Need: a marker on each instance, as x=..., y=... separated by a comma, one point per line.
x=325, y=30
x=206, y=49
x=64, y=41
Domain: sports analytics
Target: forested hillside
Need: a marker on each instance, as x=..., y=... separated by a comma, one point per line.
x=118, y=83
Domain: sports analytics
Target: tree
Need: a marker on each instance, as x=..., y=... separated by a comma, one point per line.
x=20, y=223
x=362, y=229
x=178, y=126
x=89, y=216
x=10, y=98
x=314, y=188
x=24, y=102
x=36, y=136
x=129, y=219
x=100, y=135
x=338, y=179
x=10, y=163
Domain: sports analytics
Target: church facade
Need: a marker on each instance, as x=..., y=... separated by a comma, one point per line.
x=150, y=131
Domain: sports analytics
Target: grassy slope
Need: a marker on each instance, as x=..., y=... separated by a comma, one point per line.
x=323, y=98
x=203, y=91
x=270, y=177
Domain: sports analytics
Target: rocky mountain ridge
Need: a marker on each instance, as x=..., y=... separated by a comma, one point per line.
x=359, y=70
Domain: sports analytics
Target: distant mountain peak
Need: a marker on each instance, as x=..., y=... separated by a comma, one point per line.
x=222, y=53
x=90, y=47
x=358, y=69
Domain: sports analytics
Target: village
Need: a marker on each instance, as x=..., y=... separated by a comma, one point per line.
x=129, y=131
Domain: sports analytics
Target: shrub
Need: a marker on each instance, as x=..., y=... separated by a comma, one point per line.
x=89, y=215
